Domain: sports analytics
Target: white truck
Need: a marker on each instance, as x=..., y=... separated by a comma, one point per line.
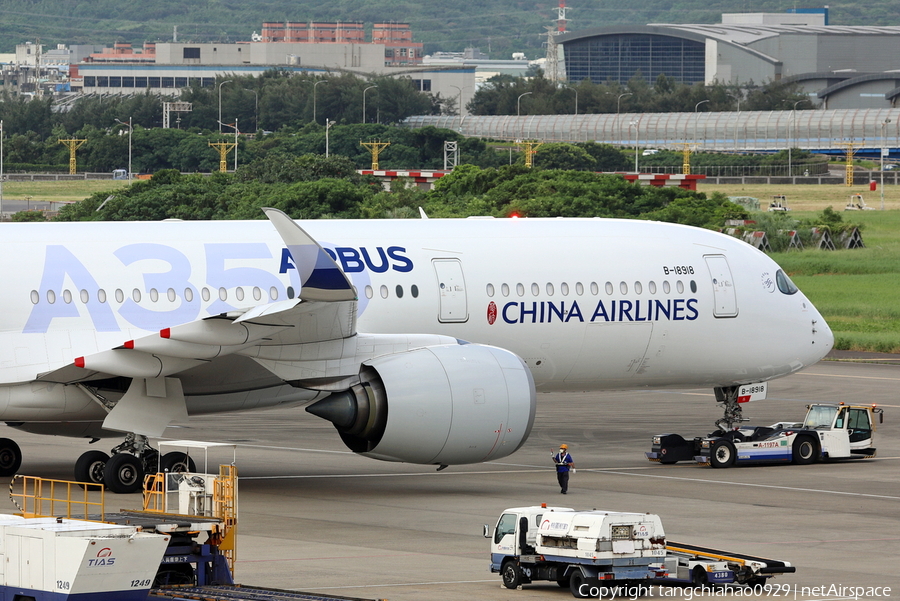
x=576, y=548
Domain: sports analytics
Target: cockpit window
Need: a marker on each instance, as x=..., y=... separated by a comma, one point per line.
x=785, y=285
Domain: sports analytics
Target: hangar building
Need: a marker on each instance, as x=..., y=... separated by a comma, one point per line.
x=838, y=66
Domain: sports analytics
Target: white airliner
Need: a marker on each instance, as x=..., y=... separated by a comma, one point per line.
x=422, y=341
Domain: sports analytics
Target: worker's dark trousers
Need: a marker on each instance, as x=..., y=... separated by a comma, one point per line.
x=563, y=478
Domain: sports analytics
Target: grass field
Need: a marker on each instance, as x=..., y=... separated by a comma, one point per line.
x=64, y=191
x=858, y=291
x=803, y=197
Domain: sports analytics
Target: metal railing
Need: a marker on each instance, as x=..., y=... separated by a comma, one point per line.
x=41, y=497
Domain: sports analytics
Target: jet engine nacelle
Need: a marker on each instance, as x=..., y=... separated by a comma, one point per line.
x=444, y=405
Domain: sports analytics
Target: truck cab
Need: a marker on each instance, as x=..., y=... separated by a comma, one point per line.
x=843, y=430
x=516, y=533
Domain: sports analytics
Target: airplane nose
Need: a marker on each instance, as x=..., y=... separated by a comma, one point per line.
x=822, y=336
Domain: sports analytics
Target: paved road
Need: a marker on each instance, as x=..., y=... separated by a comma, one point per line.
x=315, y=517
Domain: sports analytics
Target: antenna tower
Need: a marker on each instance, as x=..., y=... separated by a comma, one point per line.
x=553, y=70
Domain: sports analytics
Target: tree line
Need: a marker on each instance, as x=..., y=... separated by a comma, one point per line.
x=316, y=187
x=508, y=95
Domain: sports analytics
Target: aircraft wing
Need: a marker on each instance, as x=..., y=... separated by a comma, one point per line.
x=325, y=310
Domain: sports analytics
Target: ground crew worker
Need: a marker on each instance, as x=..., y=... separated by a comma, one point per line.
x=564, y=463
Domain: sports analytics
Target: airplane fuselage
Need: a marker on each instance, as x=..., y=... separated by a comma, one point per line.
x=588, y=304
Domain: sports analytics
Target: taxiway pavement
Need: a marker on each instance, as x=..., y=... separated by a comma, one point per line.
x=315, y=517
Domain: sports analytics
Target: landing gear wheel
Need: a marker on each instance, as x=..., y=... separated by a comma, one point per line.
x=512, y=578
x=804, y=451
x=576, y=584
x=176, y=462
x=699, y=577
x=89, y=467
x=10, y=457
x=123, y=473
x=721, y=453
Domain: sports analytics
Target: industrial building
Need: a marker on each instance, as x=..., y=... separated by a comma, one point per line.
x=838, y=66
x=167, y=68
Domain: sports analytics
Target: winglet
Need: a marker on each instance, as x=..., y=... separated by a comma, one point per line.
x=422, y=213
x=320, y=277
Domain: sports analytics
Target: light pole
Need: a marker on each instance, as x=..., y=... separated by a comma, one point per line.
x=255, y=108
x=791, y=138
x=576, y=97
x=130, y=129
x=883, y=125
x=635, y=125
x=738, y=98
x=220, y=102
x=328, y=124
x=458, y=101
x=315, y=85
x=1, y=170
x=364, y=101
x=519, y=103
x=616, y=127
x=697, y=118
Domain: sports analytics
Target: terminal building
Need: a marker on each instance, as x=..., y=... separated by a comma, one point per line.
x=840, y=67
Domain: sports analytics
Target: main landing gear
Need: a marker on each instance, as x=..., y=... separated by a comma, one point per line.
x=10, y=457
x=123, y=470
